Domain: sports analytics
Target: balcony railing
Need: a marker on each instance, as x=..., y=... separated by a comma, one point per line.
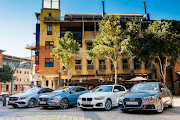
x=137, y=66
x=78, y=67
x=102, y=66
x=74, y=18
x=90, y=67
x=126, y=66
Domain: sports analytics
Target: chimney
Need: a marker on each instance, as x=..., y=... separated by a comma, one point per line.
x=103, y=8
x=145, y=7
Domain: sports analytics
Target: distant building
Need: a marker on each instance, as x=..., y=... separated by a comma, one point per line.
x=22, y=74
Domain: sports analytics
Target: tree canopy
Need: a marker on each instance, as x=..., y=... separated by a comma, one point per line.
x=158, y=43
x=109, y=43
x=5, y=74
x=65, y=49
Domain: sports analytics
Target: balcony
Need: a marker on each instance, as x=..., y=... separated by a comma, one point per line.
x=78, y=67
x=102, y=66
x=126, y=66
x=90, y=67
x=74, y=18
x=31, y=46
x=137, y=66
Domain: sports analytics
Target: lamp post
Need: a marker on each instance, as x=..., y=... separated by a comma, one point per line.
x=13, y=71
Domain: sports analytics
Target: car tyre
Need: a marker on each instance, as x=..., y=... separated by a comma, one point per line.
x=15, y=106
x=31, y=103
x=160, y=106
x=45, y=107
x=64, y=103
x=108, y=104
x=124, y=110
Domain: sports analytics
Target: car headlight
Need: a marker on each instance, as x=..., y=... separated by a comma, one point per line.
x=120, y=99
x=55, y=98
x=149, y=98
x=79, y=98
x=99, y=98
x=23, y=98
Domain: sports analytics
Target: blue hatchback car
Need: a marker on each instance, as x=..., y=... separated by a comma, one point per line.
x=63, y=97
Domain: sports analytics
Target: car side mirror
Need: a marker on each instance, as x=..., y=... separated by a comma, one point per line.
x=116, y=90
x=71, y=92
x=163, y=89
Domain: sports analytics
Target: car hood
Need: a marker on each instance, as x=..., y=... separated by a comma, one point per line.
x=50, y=95
x=96, y=94
x=21, y=95
x=139, y=94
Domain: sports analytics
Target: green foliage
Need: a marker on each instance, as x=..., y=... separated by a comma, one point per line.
x=65, y=49
x=110, y=43
x=5, y=74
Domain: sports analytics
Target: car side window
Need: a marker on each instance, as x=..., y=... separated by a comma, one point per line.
x=74, y=90
x=49, y=90
x=120, y=88
x=161, y=86
x=42, y=90
x=82, y=89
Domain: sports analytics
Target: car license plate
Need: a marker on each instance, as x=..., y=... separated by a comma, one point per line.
x=131, y=103
x=86, y=102
x=12, y=102
x=42, y=102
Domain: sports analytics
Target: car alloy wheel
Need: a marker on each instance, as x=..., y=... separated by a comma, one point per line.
x=160, y=106
x=108, y=104
x=31, y=103
x=64, y=103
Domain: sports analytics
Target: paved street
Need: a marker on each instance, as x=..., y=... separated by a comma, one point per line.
x=74, y=113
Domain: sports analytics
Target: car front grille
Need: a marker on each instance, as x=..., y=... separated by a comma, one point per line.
x=139, y=100
x=43, y=99
x=86, y=99
x=87, y=105
x=13, y=98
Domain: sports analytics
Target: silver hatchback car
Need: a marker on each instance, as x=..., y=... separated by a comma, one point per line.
x=28, y=98
x=147, y=96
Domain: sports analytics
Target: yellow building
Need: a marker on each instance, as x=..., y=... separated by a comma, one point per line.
x=51, y=26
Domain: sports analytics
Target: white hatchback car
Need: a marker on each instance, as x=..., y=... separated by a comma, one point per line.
x=105, y=96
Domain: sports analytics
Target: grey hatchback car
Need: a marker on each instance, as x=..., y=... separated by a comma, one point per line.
x=28, y=98
x=146, y=96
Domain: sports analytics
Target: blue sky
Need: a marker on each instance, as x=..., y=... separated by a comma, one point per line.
x=17, y=20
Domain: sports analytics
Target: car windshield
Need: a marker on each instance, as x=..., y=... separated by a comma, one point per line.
x=145, y=86
x=32, y=90
x=63, y=89
x=103, y=89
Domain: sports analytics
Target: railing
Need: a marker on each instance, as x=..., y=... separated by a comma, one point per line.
x=78, y=67
x=90, y=67
x=74, y=18
x=126, y=66
x=89, y=48
x=102, y=66
x=137, y=66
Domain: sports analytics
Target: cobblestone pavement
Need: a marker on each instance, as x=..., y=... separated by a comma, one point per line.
x=74, y=113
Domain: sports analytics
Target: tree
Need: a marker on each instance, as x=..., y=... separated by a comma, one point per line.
x=108, y=43
x=5, y=74
x=158, y=43
x=64, y=51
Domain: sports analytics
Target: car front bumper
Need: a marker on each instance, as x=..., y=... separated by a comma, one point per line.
x=49, y=103
x=145, y=105
x=91, y=104
x=19, y=103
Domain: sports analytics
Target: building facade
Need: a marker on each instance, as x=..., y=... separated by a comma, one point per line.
x=21, y=75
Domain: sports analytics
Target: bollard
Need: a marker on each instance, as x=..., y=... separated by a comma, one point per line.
x=4, y=100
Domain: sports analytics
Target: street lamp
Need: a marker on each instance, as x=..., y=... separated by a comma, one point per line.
x=13, y=71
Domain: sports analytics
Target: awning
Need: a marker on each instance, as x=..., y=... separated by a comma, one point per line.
x=178, y=72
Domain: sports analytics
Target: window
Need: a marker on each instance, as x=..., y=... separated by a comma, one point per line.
x=137, y=64
x=24, y=72
x=47, y=82
x=125, y=64
x=49, y=14
x=90, y=66
x=20, y=79
x=20, y=72
x=178, y=85
x=49, y=44
x=49, y=30
x=78, y=65
x=120, y=88
x=17, y=71
x=102, y=65
x=89, y=46
x=17, y=79
x=27, y=72
x=49, y=62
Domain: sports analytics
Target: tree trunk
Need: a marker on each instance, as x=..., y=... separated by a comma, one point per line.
x=68, y=78
x=115, y=65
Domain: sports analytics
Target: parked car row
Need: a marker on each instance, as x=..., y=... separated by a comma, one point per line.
x=143, y=96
